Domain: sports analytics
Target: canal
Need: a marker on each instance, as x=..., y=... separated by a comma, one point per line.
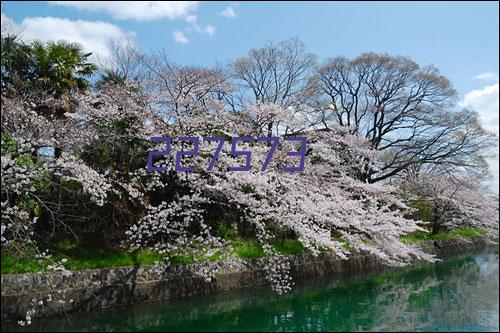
x=456, y=294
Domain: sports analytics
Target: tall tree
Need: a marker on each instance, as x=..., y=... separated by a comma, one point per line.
x=124, y=64
x=403, y=110
x=17, y=65
x=277, y=74
x=61, y=68
x=58, y=69
x=46, y=74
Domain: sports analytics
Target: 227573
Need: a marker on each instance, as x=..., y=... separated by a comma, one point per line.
x=273, y=143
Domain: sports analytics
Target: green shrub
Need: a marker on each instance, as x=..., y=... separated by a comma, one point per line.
x=289, y=246
x=248, y=249
x=419, y=236
x=424, y=210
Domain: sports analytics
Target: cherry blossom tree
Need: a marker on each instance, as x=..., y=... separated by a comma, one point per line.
x=456, y=201
x=404, y=110
x=101, y=178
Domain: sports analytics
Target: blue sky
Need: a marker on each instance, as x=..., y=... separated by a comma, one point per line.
x=460, y=38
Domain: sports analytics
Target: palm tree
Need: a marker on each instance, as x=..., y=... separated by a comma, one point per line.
x=61, y=68
x=111, y=76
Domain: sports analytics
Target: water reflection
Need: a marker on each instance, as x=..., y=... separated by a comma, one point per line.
x=456, y=294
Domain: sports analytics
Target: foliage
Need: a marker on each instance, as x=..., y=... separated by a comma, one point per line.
x=81, y=258
x=84, y=257
x=423, y=210
x=418, y=237
x=452, y=201
x=56, y=68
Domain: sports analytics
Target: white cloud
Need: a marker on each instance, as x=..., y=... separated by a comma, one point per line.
x=192, y=20
x=94, y=36
x=485, y=102
x=179, y=37
x=210, y=30
x=228, y=12
x=135, y=10
x=147, y=11
x=8, y=25
x=488, y=76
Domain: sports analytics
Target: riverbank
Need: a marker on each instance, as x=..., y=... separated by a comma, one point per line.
x=104, y=288
x=458, y=293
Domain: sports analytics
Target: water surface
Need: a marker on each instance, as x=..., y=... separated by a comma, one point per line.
x=457, y=294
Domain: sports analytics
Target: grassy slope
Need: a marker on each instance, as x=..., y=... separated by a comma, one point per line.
x=79, y=257
x=418, y=237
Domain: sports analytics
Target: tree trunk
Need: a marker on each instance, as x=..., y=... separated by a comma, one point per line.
x=436, y=225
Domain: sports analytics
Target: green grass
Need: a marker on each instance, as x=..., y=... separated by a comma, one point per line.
x=248, y=249
x=345, y=244
x=12, y=265
x=80, y=257
x=252, y=248
x=289, y=247
x=420, y=236
x=190, y=258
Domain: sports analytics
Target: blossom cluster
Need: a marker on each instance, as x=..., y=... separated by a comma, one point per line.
x=100, y=158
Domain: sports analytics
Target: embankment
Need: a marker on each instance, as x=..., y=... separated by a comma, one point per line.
x=103, y=288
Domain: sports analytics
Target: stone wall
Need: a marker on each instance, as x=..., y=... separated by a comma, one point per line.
x=102, y=288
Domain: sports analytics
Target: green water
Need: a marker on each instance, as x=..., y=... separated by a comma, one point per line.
x=457, y=294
